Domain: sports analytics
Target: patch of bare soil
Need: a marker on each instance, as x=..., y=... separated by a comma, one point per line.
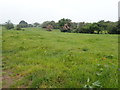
x=7, y=80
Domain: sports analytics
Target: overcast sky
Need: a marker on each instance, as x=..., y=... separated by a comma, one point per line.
x=46, y=10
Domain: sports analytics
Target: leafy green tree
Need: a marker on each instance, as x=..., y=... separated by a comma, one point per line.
x=118, y=27
x=56, y=25
x=85, y=28
x=9, y=25
x=80, y=27
x=102, y=26
x=53, y=24
x=23, y=24
x=36, y=24
x=95, y=27
x=74, y=25
x=45, y=24
x=62, y=23
x=112, y=28
x=49, y=27
x=65, y=28
x=30, y=25
x=18, y=27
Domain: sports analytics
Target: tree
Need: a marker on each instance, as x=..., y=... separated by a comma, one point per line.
x=9, y=25
x=64, y=22
x=45, y=24
x=23, y=24
x=30, y=25
x=56, y=25
x=118, y=27
x=85, y=28
x=102, y=26
x=49, y=27
x=74, y=25
x=53, y=24
x=18, y=27
x=113, y=30
x=79, y=28
x=36, y=24
x=65, y=28
x=95, y=27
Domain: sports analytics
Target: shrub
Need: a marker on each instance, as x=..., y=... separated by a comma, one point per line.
x=9, y=25
x=113, y=30
x=23, y=24
x=18, y=27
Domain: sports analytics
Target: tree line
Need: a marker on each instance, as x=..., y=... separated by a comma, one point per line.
x=66, y=25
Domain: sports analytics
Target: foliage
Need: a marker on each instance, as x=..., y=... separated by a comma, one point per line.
x=23, y=24
x=52, y=23
x=62, y=23
x=30, y=25
x=49, y=27
x=79, y=27
x=98, y=27
x=9, y=25
x=66, y=25
x=74, y=25
x=18, y=27
x=36, y=24
x=45, y=24
x=118, y=27
x=112, y=28
x=85, y=28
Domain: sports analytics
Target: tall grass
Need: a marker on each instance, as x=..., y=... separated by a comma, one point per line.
x=35, y=58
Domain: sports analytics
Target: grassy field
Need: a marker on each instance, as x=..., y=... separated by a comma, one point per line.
x=35, y=58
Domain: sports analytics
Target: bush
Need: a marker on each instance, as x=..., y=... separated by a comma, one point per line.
x=65, y=25
x=88, y=28
x=23, y=24
x=8, y=25
x=18, y=27
x=113, y=30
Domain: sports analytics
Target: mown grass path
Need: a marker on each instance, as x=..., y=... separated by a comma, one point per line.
x=36, y=58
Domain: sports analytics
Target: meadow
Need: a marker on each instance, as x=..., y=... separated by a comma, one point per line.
x=36, y=58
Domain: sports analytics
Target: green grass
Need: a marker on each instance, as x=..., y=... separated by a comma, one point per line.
x=36, y=58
